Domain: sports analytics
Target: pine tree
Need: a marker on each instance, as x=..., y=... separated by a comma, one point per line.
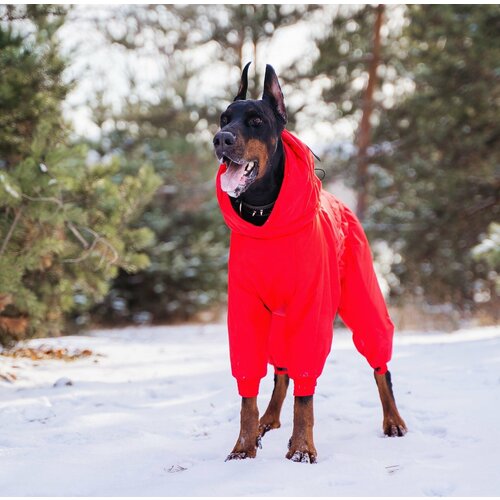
x=436, y=190
x=64, y=223
x=189, y=260
x=358, y=56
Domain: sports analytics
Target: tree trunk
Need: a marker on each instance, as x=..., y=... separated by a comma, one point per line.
x=255, y=42
x=364, y=131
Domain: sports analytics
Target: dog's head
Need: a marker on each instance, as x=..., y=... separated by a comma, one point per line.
x=249, y=134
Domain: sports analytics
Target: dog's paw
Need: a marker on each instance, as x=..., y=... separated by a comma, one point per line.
x=268, y=422
x=239, y=455
x=395, y=431
x=395, y=428
x=303, y=457
x=264, y=428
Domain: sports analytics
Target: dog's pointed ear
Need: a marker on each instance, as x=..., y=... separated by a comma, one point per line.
x=273, y=95
x=242, y=91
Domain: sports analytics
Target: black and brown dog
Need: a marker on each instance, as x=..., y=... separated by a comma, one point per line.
x=250, y=142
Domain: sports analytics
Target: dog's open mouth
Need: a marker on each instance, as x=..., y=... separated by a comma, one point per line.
x=238, y=176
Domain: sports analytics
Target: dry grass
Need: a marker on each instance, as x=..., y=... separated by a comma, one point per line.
x=45, y=352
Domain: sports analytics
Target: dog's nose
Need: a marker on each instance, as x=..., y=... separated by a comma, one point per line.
x=224, y=139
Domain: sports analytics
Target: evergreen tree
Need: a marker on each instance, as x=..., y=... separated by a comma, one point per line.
x=189, y=260
x=436, y=190
x=358, y=57
x=430, y=171
x=64, y=223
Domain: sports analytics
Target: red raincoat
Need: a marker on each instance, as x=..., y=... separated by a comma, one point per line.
x=289, y=277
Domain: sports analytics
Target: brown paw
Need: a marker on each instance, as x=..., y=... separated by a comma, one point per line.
x=240, y=454
x=395, y=427
x=267, y=424
x=303, y=457
x=302, y=453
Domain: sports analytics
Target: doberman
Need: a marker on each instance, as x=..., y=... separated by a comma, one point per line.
x=250, y=145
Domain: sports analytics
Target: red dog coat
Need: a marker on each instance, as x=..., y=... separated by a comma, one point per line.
x=290, y=276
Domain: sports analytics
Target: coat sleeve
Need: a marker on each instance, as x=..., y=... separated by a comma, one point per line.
x=248, y=327
x=362, y=305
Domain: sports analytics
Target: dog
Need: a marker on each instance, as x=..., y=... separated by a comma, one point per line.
x=297, y=257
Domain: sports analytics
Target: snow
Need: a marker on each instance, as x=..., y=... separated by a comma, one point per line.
x=157, y=413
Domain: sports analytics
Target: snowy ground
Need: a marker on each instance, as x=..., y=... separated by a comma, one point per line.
x=158, y=413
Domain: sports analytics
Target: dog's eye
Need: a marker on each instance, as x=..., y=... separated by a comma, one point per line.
x=255, y=121
x=224, y=120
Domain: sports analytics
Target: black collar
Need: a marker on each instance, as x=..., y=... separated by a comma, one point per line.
x=253, y=210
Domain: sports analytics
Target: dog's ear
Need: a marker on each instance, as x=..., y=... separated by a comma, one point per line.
x=273, y=95
x=242, y=91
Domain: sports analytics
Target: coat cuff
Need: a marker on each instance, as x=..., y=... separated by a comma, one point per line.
x=304, y=386
x=381, y=370
x=248, y=387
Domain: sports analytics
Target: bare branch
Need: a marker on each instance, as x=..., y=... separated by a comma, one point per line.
x=97, y=239
x=78, y=235
x=11, y=230
x=49, y=199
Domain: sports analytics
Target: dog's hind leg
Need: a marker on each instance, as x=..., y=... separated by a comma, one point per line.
x=249, y=439
x=271, y=418
x=393, y=424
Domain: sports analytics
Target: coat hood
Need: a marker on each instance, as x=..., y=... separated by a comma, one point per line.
x=298, y=201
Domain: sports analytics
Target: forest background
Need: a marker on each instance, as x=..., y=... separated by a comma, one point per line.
x=107, y=206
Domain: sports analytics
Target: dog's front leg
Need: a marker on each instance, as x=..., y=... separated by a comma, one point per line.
x=248, y=440
x=393, y=424
x=301, y=446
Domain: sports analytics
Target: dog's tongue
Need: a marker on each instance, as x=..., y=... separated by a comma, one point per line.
x=232, y=177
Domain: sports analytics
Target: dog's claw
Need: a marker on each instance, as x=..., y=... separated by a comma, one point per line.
x=249, y=453
x=239, y=455
x=265, y=425
x=297, y=457
x=264, y=429
x=395, y=430
x=303, y=458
